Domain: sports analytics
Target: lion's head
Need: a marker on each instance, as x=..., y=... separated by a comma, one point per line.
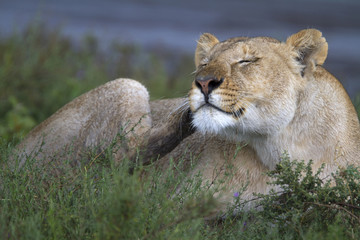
x=251, y=85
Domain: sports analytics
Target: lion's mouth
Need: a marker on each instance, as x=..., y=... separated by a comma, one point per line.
x=236, y=113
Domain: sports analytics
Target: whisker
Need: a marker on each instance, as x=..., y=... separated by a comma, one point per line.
x=182, y=108
x=243, y=126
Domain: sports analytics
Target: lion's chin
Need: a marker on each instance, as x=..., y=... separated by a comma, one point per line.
x=211, y=120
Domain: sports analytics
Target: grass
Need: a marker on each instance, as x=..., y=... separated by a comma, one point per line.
x=41, y=71
x=98, y=200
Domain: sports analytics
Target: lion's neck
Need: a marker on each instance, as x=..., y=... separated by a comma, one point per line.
x=308, y=136
x=271, y=149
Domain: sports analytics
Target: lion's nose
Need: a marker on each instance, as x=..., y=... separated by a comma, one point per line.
x=207, y=84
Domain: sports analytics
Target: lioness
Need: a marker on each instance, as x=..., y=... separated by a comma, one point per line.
x=251, y=100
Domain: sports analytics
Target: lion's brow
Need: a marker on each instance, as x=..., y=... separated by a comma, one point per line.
x=228, y=44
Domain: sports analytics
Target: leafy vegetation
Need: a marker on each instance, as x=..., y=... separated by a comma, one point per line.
x=100, y=200
x=40, y=71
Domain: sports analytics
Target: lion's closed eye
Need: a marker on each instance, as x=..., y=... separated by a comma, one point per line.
x=246, y=61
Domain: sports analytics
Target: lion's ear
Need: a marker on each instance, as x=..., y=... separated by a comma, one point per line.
x=310, y=46
x=206, y=42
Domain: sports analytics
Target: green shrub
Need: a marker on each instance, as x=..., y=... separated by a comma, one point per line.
x=306, y=198
x=305, y=207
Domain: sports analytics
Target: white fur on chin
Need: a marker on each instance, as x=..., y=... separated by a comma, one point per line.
x=211, y=120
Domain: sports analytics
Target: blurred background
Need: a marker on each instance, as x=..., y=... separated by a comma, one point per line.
x=52, y=51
